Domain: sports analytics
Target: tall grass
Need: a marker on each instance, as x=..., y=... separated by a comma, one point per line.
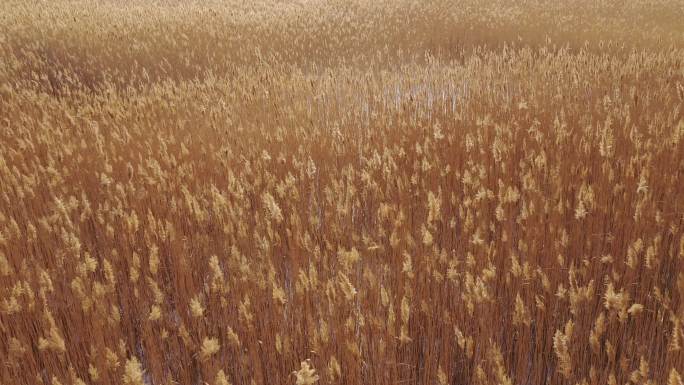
x=341, y=192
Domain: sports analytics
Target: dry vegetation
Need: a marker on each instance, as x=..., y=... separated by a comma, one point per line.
x=341, y=192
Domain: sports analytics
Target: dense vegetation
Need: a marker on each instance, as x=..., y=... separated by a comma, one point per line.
x=341, y=192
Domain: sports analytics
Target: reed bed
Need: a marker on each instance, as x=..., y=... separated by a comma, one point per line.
x=341, y=192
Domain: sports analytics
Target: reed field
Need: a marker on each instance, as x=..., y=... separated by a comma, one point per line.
x=341, y=192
